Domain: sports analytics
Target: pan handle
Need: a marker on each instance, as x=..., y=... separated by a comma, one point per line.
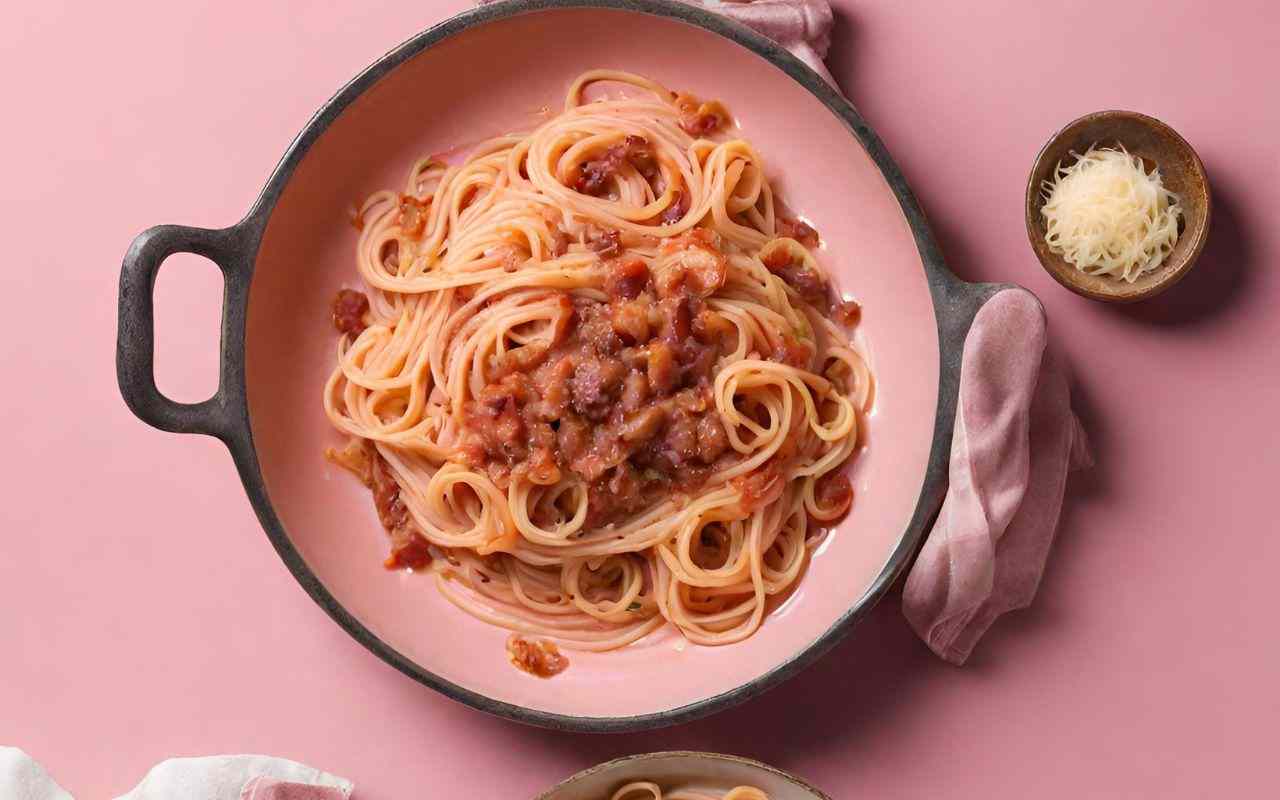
x=959, y=303
x=135, y=343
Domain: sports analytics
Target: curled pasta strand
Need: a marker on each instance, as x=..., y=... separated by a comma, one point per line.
x=480, y=266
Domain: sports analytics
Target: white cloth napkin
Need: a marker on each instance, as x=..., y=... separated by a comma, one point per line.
x=22, y=778
x=243, y=777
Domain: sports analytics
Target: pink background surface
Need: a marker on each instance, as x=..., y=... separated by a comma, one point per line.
x=1147, y=667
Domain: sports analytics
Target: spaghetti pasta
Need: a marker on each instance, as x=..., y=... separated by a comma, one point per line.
x=647, y=790
x=596, y=386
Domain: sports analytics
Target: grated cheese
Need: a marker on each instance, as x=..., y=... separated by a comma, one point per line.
x=1106, y=215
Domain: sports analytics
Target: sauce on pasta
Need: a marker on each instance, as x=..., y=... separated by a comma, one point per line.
x=597, y=380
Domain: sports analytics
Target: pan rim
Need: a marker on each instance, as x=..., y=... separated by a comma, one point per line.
x=953, y=304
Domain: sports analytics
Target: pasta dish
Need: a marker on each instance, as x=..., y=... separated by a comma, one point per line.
x=596, y=378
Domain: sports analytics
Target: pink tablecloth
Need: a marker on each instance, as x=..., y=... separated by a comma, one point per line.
x=143, y=614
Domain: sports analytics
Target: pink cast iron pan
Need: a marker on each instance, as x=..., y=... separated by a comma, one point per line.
x=488, y=71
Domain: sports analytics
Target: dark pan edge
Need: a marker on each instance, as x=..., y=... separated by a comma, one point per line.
x=955, y=302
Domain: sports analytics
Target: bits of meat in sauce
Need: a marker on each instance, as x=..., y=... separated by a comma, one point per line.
x=698, y=118
x=594, y=175
x=833, y=492
x=847, y=313
x=412, y=215
x=608, y=244
x=408, y=547
x=349, y=308
x=799, y=230
x=540, y=658
x=810, y=285
x=622, y=397
x=676, y=211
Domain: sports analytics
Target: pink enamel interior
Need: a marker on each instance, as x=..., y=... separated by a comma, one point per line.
x=490, y=79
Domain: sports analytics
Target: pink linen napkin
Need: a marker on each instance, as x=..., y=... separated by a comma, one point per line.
x=1015, y=435
x=801, y=26
x=1014, y=441
x=245, y=777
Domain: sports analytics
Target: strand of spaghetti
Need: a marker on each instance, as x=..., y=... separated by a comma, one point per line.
x=648, y=790
x=512, y=387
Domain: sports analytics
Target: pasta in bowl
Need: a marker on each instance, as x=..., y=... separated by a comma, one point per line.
x=561, y=336
x=683, y=775
x=594, y=380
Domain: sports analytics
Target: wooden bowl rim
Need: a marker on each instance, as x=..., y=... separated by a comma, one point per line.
x=1112, y=290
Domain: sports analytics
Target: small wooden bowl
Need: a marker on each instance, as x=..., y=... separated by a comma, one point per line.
x=1181, y=171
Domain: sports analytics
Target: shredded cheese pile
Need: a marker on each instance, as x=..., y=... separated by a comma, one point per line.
x=1107, y=216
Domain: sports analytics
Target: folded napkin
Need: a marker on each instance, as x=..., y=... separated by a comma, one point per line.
x=801, y=26
x=1014, y=441
x=209, y=778
x=1015, y=435
x=22, y=778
